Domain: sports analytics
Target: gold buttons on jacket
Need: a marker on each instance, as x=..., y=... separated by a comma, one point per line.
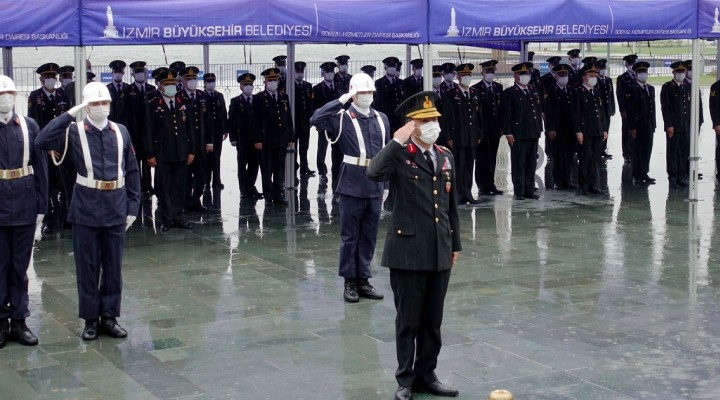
x=437, y=219
x=399, y=231
x=435, y=192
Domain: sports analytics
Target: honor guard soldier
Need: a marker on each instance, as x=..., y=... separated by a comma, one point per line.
x=176, y=67
x=116, y=88
x=591, y=131
x=243, y=134
x=342, y=78
x=463, y=116
x=323, y=93
x=575, y=66
x=639, y=108
x=274, y=134
x=369, y=70
x=535, y=80
x=196, y=100
x=105, y=204
x=625, y=80
x=414, y=83
x=303, y=112
x=605, y=85
x=170, y=147
x=24, y=190
x=675, y=105
x=218, y=130
x=389, y=93
x=66, y=76
x=422, y=242
x=489, y=92
x=361, y=132
x=281, y=65
x=448, y=74
x=136, y=120
x=522, y=125
x=561, y=126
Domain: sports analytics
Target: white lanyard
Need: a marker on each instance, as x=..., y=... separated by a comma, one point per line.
x=86, y=149
x=361, y=140
x=26, y=141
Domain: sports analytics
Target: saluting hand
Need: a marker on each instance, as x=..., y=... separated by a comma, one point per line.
x=404, y=133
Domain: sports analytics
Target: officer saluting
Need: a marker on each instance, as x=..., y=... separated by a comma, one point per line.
x=217, y=130
x=24, y=190
x=422, y=243
x=342, y=78
x=105, y=202
x=243, y=133
x=117, y=88
x=390, y=92
x=414, y=83
x=136, y=117
x=303, y=112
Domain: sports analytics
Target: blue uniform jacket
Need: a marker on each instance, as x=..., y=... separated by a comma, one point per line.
x=93, y=207
x=353, y=179
x=22, y=199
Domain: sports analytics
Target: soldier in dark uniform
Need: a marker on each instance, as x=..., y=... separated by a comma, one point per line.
x=605, y=84
x=170, y=147
x=105, y=204
x=548, y=80
x=369, y=69
x=715, y=117
x=422, y=243
x=436, y=82
x=24, y=190
x=243, y=133
x=535, y=79
x=414, y=83
x=675, y=105
x=625, y=80
x=135, y=97
x=522, y=125
x=361, y=133
x=342, y=78
x=639, y=105
x=176, y=67
x=489, y=93
x=66, y=76
x=274, y=134
x=575, y=66
x=218, y=130
x=303, y=112
x=463, y=118
x=196, y=100
x=591, y=131
x=281, y=65
x=69, y=89
x=117, y=88
x=390, y=93
x=322, y=93
x=561, y=126
x=448, y=75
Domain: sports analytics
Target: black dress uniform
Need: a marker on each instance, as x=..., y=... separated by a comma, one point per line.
x=413, y=84
x=605, y=85
x=217, y=131
x=548, y=81
x=575, y=75
x=639, y=103
x=243, y=133
x=522, y=118
x=135, y=97
x=281, y=64
x=448, y=74
x=561, y=118
x=591, y=122
x=714, y=102
x=275, y=132
x=437, y=73
x=675, y=105
x=624, y=81
x=389, y=93
x=176, y=67
x=196, y=100
x=342, y=79
x=117, y=92
x=486, y=153
x=368, y=69
x=303, y=112
x=423, y=233
x=535, y=76
x=322, y=93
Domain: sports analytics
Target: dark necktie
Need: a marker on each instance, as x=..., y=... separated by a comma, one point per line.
x=525, y=91
x=192, y=97
x=429, y=160
x=274, y=97
x=172, y=105
x=332, y=88
x=52, y=98
x=467, y=96
x=119, y=88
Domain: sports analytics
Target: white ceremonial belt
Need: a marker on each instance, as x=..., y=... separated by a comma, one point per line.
x=16, y=173
x=356, y=161
x=100, y=185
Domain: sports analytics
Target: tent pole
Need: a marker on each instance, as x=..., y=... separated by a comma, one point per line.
x=206, y=57
x=80, y=78
x=523, y=51
x=7, y=62
x=694, y=120
x=408, y=57
x=290, y=90
x=427, y=67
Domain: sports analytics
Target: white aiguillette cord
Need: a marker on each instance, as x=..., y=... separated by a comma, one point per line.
x=64, y=153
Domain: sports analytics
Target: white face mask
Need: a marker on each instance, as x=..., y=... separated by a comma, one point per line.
x=329, y=76
x=563, y=80
x=117, y=77
x=418, y=73
x=7, y=102
x=343, y=68
x=429, y=132
x=465, y=80
x=689, y=74
x=139, y=77
x=524, y=79
x=299, y=76
x=437, y=81
x=247, y=90
x=592, y=81
x=363, y=101
x=449, y=77
x=271, y=86
x=602, y=72
x=50, y=83
x=170, y=90
x=679, y=77
x=283, y=70
x=191, y=84
x=575, y=61
x=99, y=113
x=66, y=81
x=210, y=86
x=642, y=77
x=391, y=71
x=488, y=77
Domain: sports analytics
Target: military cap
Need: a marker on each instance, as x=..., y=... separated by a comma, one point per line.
x=368, y=69
x=448, y=67
x=177, y=66
x=630, y=58
x=48, y=69
x=190, y=72
x=589, y=60
x=246, y=78
x=555, y=60
x=417, y=63
x=436, y=70
x=391, y=61
x=300, y=66
x=271, y=73
x=678, y=65
x=164, y=76
x=66, y=70
x=399, y=64
x=688, y=64
x=138, y=66
x=342, y=59
x=89, y=75
x=490, y=64
x=574, y=53
x=561, y=68
x=419, y=106
x=641, y=66
x=209, y=77
x=465, y=69
x=522, y=67
x=280, y=60
x=117, y=65
x=530, y=55
x=157, y=71
x=587, y=68
x=601, y=63
x=328, y=66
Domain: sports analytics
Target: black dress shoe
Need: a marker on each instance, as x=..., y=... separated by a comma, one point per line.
x=403, y=393
x=112, y=328
x=350, y=294
x=594, y=190
x=649, y=180
x=182, y=224
x=365, y=289
x=519, y=197
x=4, y=332
x=438, y=389
x=198, y=207
x=606, y=155
x=20, y=333
x=258, y=195
x=165, y=227
x=470, y=200
x=532, y=196
x=496, y=191
x=219, y=186
x=486, y=193
x=91, y=330
x=682, y=183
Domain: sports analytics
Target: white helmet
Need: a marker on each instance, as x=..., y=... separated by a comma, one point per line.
x=362, y=82
x=95, y=91
x=7, y=84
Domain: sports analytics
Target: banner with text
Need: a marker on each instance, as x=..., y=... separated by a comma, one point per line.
x=113, y=22
x=461, y=21
x=36, y=23
x=709, y=18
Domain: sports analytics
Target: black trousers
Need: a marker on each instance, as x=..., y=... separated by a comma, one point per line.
x=564, y=146
x=419, y=300
x=642, y=146
x=16, y=244
x=627, y=141
x=145, y=171
x=486, y=161
x=195, y=185
x=170, y=189
x=248, y=166
x=523, y=160
x=717, y=157
x=303, y=145
x=212, y=164
x=677, y=153
x=272, y=166
x=464, y=163
x=589, y=159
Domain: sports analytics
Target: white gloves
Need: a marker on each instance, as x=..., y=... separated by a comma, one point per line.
x=38, y=227
x=347, y=96
x=75, y=110
x=129, y=221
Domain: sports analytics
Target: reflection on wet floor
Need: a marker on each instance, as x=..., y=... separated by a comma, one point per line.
x=568, y=297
